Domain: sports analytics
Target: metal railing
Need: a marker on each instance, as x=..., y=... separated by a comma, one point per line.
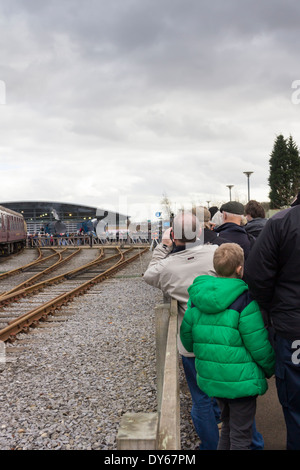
x=85, y=240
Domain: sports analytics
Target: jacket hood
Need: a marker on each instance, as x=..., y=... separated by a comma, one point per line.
x=214, y=294
x=258, y=222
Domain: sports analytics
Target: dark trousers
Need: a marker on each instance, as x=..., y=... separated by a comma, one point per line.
x=206, y=413
x=237, y=416
x=287, y=372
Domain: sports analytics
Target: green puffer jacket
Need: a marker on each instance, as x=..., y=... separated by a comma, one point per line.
x=224, y=328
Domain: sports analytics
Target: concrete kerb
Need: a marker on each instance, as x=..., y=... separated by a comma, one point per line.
x=160, y=430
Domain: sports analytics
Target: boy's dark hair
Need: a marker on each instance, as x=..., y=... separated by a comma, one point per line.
x=227, y=258
x=255, y=209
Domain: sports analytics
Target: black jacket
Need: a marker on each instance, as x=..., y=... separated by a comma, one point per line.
x=255, y=226
x=210, y=236
x=235, y=234
x=272, y=272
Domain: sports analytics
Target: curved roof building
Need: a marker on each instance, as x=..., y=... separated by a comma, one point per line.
x=41, y=214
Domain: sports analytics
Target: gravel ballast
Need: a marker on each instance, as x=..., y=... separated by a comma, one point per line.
x=66, y=385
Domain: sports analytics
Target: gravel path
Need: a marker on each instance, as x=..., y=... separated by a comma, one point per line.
x=67, y=384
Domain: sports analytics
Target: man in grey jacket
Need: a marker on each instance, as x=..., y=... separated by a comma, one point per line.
x=176, y=262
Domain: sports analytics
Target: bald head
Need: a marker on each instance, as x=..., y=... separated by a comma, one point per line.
x=186, y=228
x=234, y=218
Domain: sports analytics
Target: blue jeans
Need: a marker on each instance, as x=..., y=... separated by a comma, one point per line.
x=205, y=412
x=287, y=373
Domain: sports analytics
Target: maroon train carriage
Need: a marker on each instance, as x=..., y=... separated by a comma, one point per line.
x=13, y=231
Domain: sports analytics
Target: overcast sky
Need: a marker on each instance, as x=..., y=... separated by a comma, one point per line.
x=109, y=103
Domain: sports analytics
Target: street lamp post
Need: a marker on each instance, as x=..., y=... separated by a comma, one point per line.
x=229, y=186
x=248, y=174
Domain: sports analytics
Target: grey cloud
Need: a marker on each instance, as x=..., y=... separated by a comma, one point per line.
x=123, y=47
x=196, y=88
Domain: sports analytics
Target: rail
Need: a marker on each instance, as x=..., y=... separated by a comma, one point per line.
x=23, y=322
x=160, y=430
x=21, y=288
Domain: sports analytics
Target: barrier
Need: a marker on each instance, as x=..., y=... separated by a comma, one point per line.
x=168, y=390
x=85, y=240
x=161, y=430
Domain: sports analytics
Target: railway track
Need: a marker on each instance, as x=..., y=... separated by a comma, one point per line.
x=41, y=294
x=29, y=274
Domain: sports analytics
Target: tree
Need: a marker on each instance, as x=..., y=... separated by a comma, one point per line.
x=166, y=207
x=284, y=177
x=294, y=167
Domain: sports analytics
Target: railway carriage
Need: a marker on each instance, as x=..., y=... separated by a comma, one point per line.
x=13, y=231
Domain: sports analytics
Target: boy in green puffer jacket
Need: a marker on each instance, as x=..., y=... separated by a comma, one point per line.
x=224, y=328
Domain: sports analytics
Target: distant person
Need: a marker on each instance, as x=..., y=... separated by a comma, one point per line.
x=256, y=218
x=213, y=210
x=295, y=202
x=273, y=275
x=231, y=228
x=223, y=326
x=209, y=235
x=216, y=220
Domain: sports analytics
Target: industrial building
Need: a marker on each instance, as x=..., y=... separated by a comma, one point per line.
x=50, y=216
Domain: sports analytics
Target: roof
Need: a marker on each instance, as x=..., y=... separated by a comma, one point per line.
x=50, y=210
x=9, y=211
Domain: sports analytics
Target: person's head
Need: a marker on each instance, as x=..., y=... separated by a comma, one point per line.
x=253, y=210
x=229, y=260
x=186, y=228
x=203, y=215
x=296, y=201
x=213, y=210
x=217, y=219
x=232, y=211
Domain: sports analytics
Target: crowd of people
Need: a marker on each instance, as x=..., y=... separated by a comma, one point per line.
x=236, y=278
x=58, y=239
